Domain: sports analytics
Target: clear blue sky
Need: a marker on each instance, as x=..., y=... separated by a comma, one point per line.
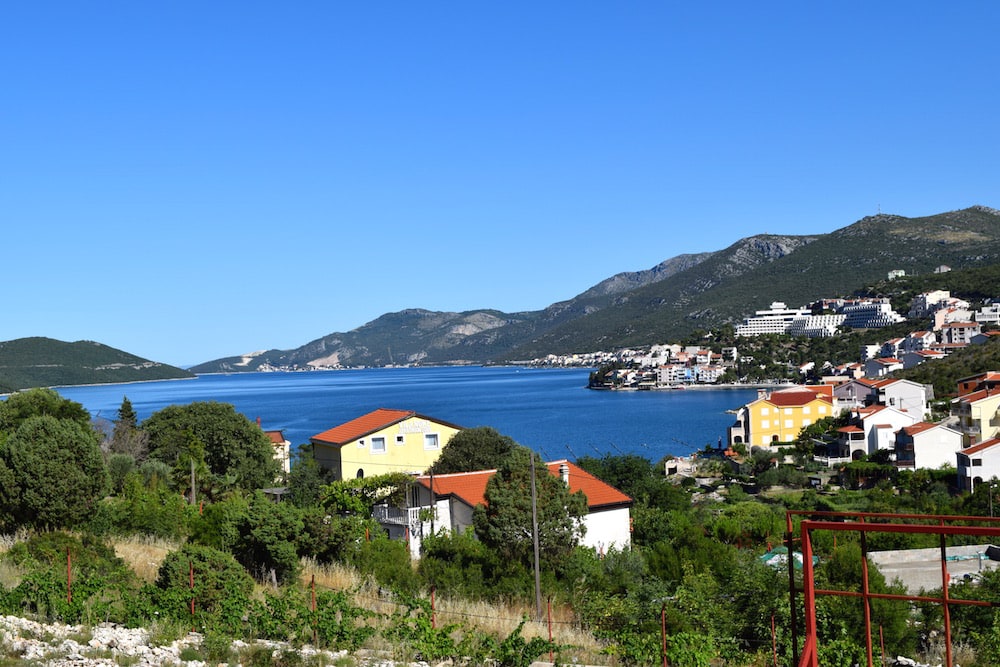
x=192, y=180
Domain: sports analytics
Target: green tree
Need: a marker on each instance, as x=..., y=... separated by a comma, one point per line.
x=237, y=451
x=307, y=478
x=480, y=448
x=53, y=472
x=126, y=436
x=37, y=402
x=505, y=522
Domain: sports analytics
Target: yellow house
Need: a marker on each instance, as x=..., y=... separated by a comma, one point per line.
x=978, y=417
x=780, y=415
x=382, y=441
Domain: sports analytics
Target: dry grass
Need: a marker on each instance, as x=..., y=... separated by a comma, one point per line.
x=487, y=618
x=143, y=554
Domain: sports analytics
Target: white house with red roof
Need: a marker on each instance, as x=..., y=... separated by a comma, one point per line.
x=979, y=463
x=282, y=449
x=381, y=442
x=880, y=424
x=926, y=445
x=959, y=333
x=454, y=497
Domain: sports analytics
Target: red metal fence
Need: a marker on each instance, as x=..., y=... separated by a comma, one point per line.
x=864, y=523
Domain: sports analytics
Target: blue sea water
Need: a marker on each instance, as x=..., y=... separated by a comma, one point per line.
x=550, y=411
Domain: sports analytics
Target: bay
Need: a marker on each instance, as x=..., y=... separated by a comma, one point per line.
x=549, y=410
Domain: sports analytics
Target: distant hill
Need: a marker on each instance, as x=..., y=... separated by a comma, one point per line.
x=677, y=297
x=45, y=362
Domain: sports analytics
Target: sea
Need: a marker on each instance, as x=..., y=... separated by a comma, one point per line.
x=548, y=410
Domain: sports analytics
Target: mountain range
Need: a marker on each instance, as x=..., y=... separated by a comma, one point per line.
x=679, y=296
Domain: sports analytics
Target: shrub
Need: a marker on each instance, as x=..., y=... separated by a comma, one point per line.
x=221, y=588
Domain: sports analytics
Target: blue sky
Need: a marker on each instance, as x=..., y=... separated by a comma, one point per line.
x=192, y=180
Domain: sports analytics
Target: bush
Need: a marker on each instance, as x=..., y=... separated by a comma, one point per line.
x=221, y=590
x=103, y=587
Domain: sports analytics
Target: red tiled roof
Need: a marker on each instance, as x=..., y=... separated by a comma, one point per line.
x=919, y=427
x=471, y=486
x=796, y=396
x=361, y=426
x=276, y=437
x=985, y=444
x=850, y=429
x=977, y=396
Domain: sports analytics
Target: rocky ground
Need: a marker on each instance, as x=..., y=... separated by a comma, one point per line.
x=57, y=645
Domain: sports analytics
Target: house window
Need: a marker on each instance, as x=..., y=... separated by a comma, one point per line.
x=788, y=411
x=788, y=423
x=400, y=439
x=977, y=462
x=822, y=409
x=765, y=424
x=805, y=410
x=378, y=445
x=430, y=441
x=764, y=411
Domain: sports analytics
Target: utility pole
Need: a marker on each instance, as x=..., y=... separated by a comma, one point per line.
x=534, y=537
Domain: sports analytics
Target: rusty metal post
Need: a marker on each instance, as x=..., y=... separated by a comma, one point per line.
x=865, y=599
x=945, y=597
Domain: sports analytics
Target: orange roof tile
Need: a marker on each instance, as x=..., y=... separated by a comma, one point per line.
x=276, y=437
x=470, y=487
x=985, y=444
x=365, y=424
x=919, y=427
x=796, y=396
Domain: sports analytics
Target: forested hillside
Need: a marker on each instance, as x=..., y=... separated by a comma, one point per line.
x=44, y=362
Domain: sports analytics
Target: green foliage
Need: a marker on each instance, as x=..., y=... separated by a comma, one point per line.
x=505, y=523
x=236, y=451
x=411, y=626
x=266, y=539
x=459, y=565
x=515, y=651
x=119, y=466
x=637, y=478
x=307, y=479
x=53, y=470
x=338, y=623
x=148, y=509
x=221, y=590
x=37, y=403
x=359, y=496
x=126, y=436
x=388, y=561
x=481, y=448
x=103, y=587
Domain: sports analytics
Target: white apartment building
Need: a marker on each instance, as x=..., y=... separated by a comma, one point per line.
x=990, y=314
x=774, y=320
x=870, y=315
x=816, y=326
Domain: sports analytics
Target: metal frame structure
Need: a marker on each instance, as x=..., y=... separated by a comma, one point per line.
x=864, y=523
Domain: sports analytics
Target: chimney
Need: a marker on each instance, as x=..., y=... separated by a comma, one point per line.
x=258, y=422
x=564, y=473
